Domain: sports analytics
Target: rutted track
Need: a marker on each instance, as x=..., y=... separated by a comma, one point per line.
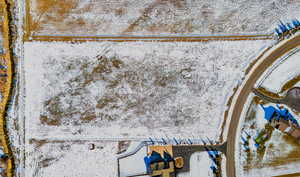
x=243, y=92
x=151, y=38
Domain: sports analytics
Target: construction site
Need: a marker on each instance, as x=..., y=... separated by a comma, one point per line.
x=172, y=157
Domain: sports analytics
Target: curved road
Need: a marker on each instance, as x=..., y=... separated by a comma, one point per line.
x=243, y=92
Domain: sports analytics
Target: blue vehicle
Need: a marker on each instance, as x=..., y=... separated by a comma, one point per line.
x=214, y=156
x=2, y=154
x=296, y=23
x=175, y=141
x=246, y=147
x=216, y=153
x=289, y=26
x=151, y=140
x=256, y=145
x=212, y=153
x=278, y=32
x=164, y=141
x=204, y=143
x=283, y=28
x=248, y=135
x=210, y=141
x=245, y=142
x=214, y=169
x=189, y=141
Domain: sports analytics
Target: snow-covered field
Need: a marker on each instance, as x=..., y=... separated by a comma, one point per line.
x=126, y=90
x=105, y=17
x=154, y=89
x=73, y=159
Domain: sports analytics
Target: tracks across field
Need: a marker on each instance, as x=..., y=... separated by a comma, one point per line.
x=117, y=139
x=151, y=38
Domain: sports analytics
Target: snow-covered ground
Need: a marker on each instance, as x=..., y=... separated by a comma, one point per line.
x=200, y=163
x=274, y=79
x=154, y=89
x=104, y=90
x=281, y=155
x=105, y=17
x=73, y=159
x=271, y=171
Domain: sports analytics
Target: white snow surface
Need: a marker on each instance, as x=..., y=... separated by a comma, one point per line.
x=186, y=83
x=171, y=88
x=105, y=17
x=200, y=163
x=273, y=79
x=72, y=159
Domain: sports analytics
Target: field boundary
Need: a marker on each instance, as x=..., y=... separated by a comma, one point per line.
x=29, y=36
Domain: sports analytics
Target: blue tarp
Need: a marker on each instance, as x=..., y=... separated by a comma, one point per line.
x=167, y=157
x=156, y=157
x=271, y=112
x=147, y=163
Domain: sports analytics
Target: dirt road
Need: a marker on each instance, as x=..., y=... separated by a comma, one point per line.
x=157, y=38
x=245, y=89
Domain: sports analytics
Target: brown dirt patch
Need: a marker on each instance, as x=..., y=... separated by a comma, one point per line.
x=290, y=84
